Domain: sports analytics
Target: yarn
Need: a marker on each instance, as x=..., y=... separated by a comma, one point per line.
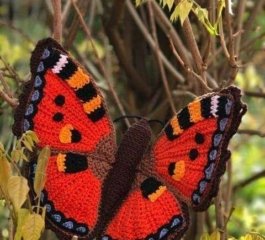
x=138, y=190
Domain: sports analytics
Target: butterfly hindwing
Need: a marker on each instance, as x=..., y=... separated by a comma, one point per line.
x=71, y=203
x=150, y=212
x=191, y=152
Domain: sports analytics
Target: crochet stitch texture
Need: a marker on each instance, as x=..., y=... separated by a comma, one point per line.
x=138, y=190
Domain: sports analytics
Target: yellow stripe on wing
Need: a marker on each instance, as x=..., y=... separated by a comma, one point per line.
x=93, y=104
x=195, y=111
x=78, y=80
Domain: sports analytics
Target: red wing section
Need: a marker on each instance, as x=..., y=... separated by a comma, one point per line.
x=150, y=212
x=71, y=200
x=61, y=103
x=191, y=153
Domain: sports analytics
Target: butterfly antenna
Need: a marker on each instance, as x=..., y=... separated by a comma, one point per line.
x=127, y=116
x=139, y=118
x=157, y=121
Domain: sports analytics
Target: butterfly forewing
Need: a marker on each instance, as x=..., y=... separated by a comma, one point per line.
x=191, y=152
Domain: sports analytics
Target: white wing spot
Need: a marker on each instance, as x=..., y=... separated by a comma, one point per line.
x=214, y=105
x=60, y=64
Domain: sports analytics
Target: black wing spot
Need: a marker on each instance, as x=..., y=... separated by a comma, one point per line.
x=149, y=186
x=76, y=136
x=59, y=100
x=199, y=138
x=193, y=154
x=75, y=163
x=57, y=117
x=171, y=168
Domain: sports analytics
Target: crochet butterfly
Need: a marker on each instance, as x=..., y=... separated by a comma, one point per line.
x=137, y=190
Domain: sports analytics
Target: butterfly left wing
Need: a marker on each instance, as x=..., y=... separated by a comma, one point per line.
x=66, y=110
x=150, y=212
x=191, y=152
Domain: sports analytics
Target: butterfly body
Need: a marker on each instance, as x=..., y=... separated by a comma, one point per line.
x=138, y=190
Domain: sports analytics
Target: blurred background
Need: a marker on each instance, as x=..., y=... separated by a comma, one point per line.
x=155, y=65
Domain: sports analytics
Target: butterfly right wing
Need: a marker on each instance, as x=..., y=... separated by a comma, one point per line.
x=191, y=152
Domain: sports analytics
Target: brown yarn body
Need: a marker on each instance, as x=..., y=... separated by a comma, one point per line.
x=120, y=178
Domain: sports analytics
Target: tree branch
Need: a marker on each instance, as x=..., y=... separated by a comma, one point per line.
x=101, y=66
x=13, y=102
x=160, y=64
x=254, y=94
x=192, y=44
x=111, y=28
x=57, y=20
x=251, y=132
x=231, y=44
x=250, y=180
x=151, y=42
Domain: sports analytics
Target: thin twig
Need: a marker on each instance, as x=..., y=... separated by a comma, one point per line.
x=92, y=12
x=13, y=102
x=160, y=64
x=65, y=12
x=228, y=195
x=254, y=94
x=222, y=40
x=251, y=132
x=240, y=14
x=57, y=20
x=11, y=70
x=193, y=46
x=10, y=229
x=219, y=214
x=231, y=44
x=249, y=180
x=151, y=42
x=17, y=30
x=169, y=30
x=206, y=87
x=111, y=26
x=75, y=25
x=100, y=64
x=258, y=6
x=5, y=85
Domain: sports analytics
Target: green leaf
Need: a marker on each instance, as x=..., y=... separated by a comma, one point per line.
x=40, y=175
x=205, y=236
x=17, y=188
x=27, y=144
x=168, y=3
x=202, y=15
x=2, y=148
x=32, y=227
x=5, y=173
x=138, y=2
x=215, y=235
x=21, y=216
x=33, y=136
x=181, y=11
x=16, y=155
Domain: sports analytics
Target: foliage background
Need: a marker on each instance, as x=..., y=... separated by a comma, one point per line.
x=133, y=67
